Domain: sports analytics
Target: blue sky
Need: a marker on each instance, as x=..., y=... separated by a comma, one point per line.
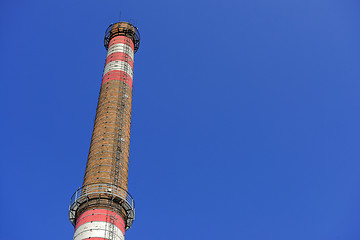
x=245, y=121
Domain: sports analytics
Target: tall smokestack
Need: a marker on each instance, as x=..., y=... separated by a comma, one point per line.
x=102, y=208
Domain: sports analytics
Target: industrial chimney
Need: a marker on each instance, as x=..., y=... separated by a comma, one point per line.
x=102, y=208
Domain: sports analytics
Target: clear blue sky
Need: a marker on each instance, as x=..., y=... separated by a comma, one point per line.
x=245, y=117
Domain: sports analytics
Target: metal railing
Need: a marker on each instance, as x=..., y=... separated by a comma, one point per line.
x=113, y=195
x=125, y=29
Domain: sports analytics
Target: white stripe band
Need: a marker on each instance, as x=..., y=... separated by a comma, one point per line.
x=121, y=47
x=118, y=65
x=98, y=229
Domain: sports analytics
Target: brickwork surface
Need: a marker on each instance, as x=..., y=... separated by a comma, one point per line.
x=108, y=159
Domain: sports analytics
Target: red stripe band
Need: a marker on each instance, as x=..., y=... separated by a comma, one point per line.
x=96, y=238
x=120, y=56
x=117, y=75
x=121, y=39
x=101, y=215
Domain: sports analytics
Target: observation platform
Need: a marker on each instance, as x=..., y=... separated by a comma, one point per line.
x=106, y=196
